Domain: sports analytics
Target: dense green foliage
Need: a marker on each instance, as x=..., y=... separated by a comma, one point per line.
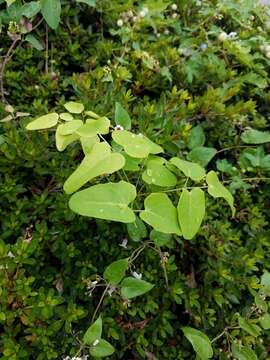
x=192, y=78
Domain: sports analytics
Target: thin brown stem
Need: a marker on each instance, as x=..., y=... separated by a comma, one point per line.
x=100, y=302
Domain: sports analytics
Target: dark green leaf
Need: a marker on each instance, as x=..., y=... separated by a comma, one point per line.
x=122, y=117
x=131, y=287
x=51, y=11
x=115, y=272
x=94, y=332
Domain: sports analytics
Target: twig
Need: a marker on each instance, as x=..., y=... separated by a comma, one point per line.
x=100, y=302
x=47, y=51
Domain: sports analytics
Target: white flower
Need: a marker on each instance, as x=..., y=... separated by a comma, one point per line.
x=111, y=290
x=158, y=35
x=174, y=7
x=10, y=254
x=136, y=275
x=120, y=22
x=166, y=32
x=95, y=342
x=130, y=13
x=142, y=13
x=124, y=243
x=174, y=15
x=232, y=35
x=223, y=36
x=118, y=128
x=134, y=19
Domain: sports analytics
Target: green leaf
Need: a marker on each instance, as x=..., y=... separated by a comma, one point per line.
x=265, y=281
x=157, y=174
x=88, y=143
x=98, y=162
x=191, y=170
x=202, y=155
x=105, y=201
x=122, y=117
x=241, y=352
x=74, y=107
x=216, y=189
x=191, y=211
x=131, y=164
x=137, y=230
x=9, y=2
x=31, y=9
x=159, y=238
x=251, y=136
x=196, y=137
x=43, y=122
x=131, y=287
x=247, y=326
x=265, y=321
x=51, y=11
x=88, y=2
x=34, y=42
x=70, y=127
x=91, y=114
x=93, y=127
x=138, y=146
x=102, y=349
x=66, y=116
x=94, y=332
x=116, y=271
x=62, y=141
x=200, y=342
x=161, y=214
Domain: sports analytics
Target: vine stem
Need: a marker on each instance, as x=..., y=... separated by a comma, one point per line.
x=100, y=302
x=4, y=64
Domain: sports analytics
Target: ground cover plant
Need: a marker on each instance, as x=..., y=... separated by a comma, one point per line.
x=166, y=98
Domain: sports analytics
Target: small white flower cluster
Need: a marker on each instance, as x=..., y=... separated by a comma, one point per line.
x=118, y=128
x=174, y=8
x=223, y=36
x=266, y=50
x=131, y=16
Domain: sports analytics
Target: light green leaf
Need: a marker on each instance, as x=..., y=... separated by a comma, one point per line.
x=88, y=2
x=94, y=332
x=102, y=349
x=122, y=117
x=66, y=116
x=159, y=238
x=138, y=146
x=70, y=127
x=251, y=136
x=265, y=321
x=43, y=122
x=74, y=107
x=131, y=287
x=62, y=141
x=31, y=9
x=131, y=164
x=161, y=214
x=216, y=189
x=34, y=42
x=137, y=230
x=200, y=342
x=116, y=271
x=92, y=115
x=93, y=127
x=105, y=201
x=51, y=11
x=191, y=170
x=98, y=162
x=191, y=211
x=247, y=326
x=157, y=174
x=241, y=352
x=196, y=137
x=202, y=155
x=9, y=2
x=88, y=143
x=265, y=281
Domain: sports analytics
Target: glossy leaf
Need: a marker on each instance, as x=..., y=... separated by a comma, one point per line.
x=191, y=211
x=160, y=214
x=51, y=11
x=217, y=189
x=105, y=201
x=138, y=146
x=265, y=321
x=74, y=107
x=43, y=122
x=252, y=136
x=98, y=162
x=94, y=332
x=191, y=170
x=122, y=117
x=94, y=127
x=132, y=287
x=241, y=352
x=66, y=116
x=102, y=349
x=116, y=271
x=157, y=174
x=200, y=342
